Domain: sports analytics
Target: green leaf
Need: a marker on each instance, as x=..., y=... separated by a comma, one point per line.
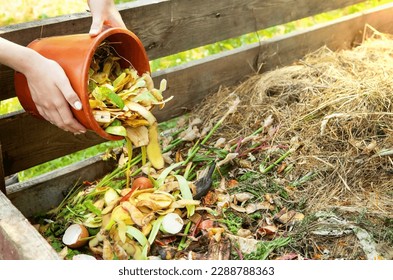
x=186, y=193
x=154, y=231
x=115, y=99
x=137, y=235
x=116, y=130
x=89, y=205
x=161, y=179
x=104, y=93
x=119, y=79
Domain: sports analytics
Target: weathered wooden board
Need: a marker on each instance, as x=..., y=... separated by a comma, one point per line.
x=19, y=240
x=168, y=27
x=45, y=192
x=189, y=84
x=2, y=176
x=28, y=141
x=20, y=134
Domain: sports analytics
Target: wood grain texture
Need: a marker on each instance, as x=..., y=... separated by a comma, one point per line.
x=168, y=27
x=45, y=192
x=28, y=141
x=189, y=84
x=2, y=176
x=19, y=240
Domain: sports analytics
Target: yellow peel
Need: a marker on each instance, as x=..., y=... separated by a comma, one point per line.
x=139, y=136
x=119, y=214
x=141, y=110
x=153, y=150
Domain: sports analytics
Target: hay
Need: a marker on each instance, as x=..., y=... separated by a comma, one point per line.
x=339, y=105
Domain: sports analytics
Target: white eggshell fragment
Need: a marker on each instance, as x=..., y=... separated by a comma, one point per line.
x=75, y=236
x=172, y=223
x=83, y=257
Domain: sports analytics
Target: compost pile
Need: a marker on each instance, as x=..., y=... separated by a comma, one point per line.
x=121, y=101
x=300, y=168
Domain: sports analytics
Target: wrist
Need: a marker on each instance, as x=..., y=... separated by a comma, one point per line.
x=27, y=60
x=17, y=57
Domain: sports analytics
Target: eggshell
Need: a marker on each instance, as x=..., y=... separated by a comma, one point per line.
x=75, y=236
x=172, y=223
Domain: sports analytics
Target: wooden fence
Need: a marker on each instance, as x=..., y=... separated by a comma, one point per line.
x=170, y=26
x=165, y=27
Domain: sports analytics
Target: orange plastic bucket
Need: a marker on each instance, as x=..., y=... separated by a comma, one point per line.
x=74, y=54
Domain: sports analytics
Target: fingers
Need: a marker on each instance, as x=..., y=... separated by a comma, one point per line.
x=105, y=14
x=96, y=26
x=66, y=121
x=54, y=97
x=61, y=116
x=69, y=94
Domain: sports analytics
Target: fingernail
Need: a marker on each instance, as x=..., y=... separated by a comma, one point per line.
x=82, y=131
x=78, y=105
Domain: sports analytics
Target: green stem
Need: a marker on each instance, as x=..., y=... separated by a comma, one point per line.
x=259, y=130
x=197, y=145
x=182, y=243
x=129, y=150
x=192, y=153
x=172, y=145
x=270, y=167
x=136, y=172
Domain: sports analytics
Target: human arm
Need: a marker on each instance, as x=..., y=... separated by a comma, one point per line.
x=49, y=86
x=104, y=13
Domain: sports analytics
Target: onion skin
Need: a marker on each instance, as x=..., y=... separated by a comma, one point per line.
x=172, y=224
x=142, y=183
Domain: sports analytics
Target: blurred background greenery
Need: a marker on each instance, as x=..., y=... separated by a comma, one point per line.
x=20, y=11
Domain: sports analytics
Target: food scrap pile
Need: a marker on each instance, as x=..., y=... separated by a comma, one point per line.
x=294, y=163
x=121, y=101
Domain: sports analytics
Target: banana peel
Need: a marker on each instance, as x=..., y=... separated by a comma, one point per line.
x=154, y=153
x=139, y=136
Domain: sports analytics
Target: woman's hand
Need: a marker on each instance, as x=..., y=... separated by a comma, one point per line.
x=49, y=86
x=52, y=93
x=104, y=13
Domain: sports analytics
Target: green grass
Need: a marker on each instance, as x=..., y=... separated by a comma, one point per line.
x=17, y=11
x=67, y=160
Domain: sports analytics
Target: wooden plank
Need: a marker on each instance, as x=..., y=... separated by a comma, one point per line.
x=168, y=27
x=190, y=83
x=45, y=192
x=2, y=176
x=174, y=26
x=19, y=240
x=343, y=33
x=28, y=141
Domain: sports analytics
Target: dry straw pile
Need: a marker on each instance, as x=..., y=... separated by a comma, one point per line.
x=339, y=107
